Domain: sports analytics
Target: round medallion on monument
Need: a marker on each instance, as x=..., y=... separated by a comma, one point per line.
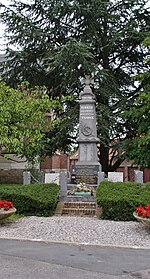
x=86, y=130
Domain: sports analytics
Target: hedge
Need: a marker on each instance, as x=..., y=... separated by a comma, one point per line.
x=33, y=199
x=119, y=200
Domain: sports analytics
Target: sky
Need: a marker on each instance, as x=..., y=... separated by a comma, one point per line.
x=2, y=27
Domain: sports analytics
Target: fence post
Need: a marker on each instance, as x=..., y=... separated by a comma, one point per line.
x=63, y=184
x=26, y=177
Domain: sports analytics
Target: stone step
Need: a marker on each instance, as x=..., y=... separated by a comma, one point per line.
x=59, y=209
x=78, y=208
x=81, y=205
x=79, y=211
x=78, y=199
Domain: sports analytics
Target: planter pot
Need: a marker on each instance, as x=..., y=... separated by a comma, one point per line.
x=6, y=213
x=145, y=221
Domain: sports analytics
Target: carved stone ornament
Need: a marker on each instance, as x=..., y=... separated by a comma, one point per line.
x=86, y=130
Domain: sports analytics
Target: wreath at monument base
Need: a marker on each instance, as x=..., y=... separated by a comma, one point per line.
x=81, y=189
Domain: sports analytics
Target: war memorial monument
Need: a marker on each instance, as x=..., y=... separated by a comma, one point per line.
x=87, y=169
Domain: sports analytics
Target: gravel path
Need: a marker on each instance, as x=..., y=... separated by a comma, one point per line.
x=83, y=230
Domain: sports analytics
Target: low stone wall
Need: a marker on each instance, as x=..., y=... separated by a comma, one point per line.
x=14, y=176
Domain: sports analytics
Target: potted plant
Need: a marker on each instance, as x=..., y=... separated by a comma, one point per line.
x=142, y=214
x=6, y=209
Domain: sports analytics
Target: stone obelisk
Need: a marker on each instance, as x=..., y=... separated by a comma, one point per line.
x=87, y=167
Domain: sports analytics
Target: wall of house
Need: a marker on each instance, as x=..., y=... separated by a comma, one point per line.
x=46, y=164
x=55, y=163
x=146, y=175
x=13, y=162
x=11, y=170
x=14, y=176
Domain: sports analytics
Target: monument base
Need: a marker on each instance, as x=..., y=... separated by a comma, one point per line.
x=85, y=173
x=88, y=163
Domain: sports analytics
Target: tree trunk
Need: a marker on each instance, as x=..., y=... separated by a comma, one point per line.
x=116, y=164
x=104, y=158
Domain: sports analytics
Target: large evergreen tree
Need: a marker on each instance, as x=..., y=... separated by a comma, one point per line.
x=58, y=42
x=138, y=146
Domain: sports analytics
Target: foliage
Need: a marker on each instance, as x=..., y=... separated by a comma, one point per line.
x=58, y=42
x=119, y=200
x=34, y=199
x=22, y=119
x=61, y=134
x=138, y=145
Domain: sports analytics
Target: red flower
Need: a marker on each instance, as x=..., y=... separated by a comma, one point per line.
x=6, y=205
x=143, y=211
x=147, y=207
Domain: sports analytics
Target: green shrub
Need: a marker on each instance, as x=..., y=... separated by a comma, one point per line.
x=33, y=199
x=119, y=200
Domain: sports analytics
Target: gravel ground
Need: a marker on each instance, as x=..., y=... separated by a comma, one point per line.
x=83, y=230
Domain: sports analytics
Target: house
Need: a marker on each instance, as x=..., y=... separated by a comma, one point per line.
x=12, y=168
x=127, y=167
x=56, y=163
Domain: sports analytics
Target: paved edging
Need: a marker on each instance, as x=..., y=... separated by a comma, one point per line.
x=77, y=243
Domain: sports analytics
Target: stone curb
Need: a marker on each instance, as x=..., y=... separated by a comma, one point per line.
x=76, y=243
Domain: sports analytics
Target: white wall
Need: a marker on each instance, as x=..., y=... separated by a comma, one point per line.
x=18, y=163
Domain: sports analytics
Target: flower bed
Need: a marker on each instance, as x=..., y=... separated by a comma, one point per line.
x=6, y=209
x=145, y=221
x=142, y=214
x=6, y=205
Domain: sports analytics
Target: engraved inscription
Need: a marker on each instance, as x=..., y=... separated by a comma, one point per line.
x=87, y=179
x=86, y=174
x=87, y=112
